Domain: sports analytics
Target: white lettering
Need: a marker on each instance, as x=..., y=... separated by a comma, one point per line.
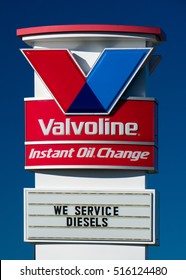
x=46, y=129
x=132, y=155
x=101, y=127
x=86, y=152
x=131, y=128
x=91, y=128
x=91, y=152
x=58, y=129
x=77, y=128
x=50, y=153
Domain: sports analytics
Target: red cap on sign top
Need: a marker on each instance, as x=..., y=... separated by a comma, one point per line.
x=156, y=31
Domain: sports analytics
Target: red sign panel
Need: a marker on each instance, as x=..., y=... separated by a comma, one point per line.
x=127, y=138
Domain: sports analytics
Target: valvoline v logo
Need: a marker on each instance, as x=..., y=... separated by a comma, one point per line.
x=94, y=93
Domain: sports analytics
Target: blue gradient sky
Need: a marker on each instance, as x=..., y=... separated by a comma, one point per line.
x=167, y=84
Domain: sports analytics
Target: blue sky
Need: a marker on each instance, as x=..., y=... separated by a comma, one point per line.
x=167, y=85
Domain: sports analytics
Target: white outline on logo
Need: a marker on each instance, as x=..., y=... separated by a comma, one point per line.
x=145, y=59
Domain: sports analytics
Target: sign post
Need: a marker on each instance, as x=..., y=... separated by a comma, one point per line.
x=91, y=139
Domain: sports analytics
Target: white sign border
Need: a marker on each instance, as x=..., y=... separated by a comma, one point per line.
x=155, y=219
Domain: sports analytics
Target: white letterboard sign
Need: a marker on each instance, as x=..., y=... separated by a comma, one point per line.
x=106, y=217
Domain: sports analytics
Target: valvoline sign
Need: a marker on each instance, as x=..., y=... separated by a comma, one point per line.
x=125, y=139
x=86, y=124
